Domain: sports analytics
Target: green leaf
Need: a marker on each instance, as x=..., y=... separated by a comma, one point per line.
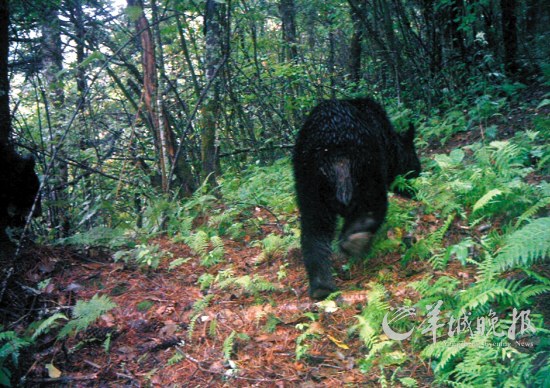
x=86, y=313
x=526, y=246
x=486, y=199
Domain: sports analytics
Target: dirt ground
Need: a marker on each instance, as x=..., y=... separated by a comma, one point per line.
x=156, y=320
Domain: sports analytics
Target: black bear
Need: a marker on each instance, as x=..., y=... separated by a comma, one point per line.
x=19, y=186
x=346, y=156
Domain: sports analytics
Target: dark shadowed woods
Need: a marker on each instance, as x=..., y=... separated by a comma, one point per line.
x=155, y=216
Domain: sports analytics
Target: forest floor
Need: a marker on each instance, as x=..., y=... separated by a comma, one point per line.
x=156, y=311
x=159, y=335
x=156, y=318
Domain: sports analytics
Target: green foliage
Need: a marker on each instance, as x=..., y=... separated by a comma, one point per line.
x=476, y=364
x=229, y=345
x=176, y=358
x=309, y=333
x=526, y=246
x=86, y=313
x=489, y=200
x=383, y=354
x=490, y=182
x=210, y=249
x=431, y=246
x=370, y=320
x=483, y=183
x=271, y=323
x=205, y=281
x=442, y=129
x=198, y=307
x=10, y=349
x=400, y=220
x=47, y=324
x=271, y=187
x=274, y=246
x=177, y=262
x=175, y=216
x=254, y=284
x=144, y=255
x=99, y=236
x=144, y=305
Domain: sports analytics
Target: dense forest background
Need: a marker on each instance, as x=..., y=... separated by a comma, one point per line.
x=160, y=124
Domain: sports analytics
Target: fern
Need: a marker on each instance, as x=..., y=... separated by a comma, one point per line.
x=11, y=345
x=217, y=252
x=99, y=236
x=229, y=345
x=369, y=322
x=443, y=288
x=177, y=262
x=199, y=242
x=198, y=307
x=486, y=199
x=205, y=281
x=210, y=249
x=526, y=246
x=176, y=358
x=445, y=351
x=483, y=294
x=144, y=255
x=274, y=246
x=47, y=324
x=86, y=313
x=474, y=365
x=382, y=354
x=432, y=244
x=249, y=284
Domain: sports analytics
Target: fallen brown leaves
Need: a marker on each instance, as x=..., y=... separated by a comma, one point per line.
x=158, y=337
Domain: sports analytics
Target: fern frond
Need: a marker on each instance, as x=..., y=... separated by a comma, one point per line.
x=486, y=199
x=533, y=210
x=47, y=324
x=526, y=246
x=87, y=312
x=202, y=304
x=437, y=236
x=229, y=345
x=444, y=351
x=481, y=295
x=11, y=345
x=217, y=244
x=369, y=322
x=198, y=242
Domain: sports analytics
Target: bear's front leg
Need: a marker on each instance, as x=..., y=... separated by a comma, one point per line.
x=317, y=234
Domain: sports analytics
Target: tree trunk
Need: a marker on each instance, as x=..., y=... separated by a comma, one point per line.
x=509, y=36
x=356, y=47
x=288, y=16
x=431, y=19
x=54, y=99
x=211, y=106
x=179, y=168
x=150, y=89
x=455, y=13
x=5, y=116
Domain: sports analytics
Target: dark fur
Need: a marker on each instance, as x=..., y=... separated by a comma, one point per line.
x=346, y=156
x=19, y=186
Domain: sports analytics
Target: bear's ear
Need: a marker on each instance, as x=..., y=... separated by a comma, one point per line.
x=408, y=137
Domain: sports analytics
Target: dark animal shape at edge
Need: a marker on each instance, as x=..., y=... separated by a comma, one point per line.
x=346, y=156
x=19, y=186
